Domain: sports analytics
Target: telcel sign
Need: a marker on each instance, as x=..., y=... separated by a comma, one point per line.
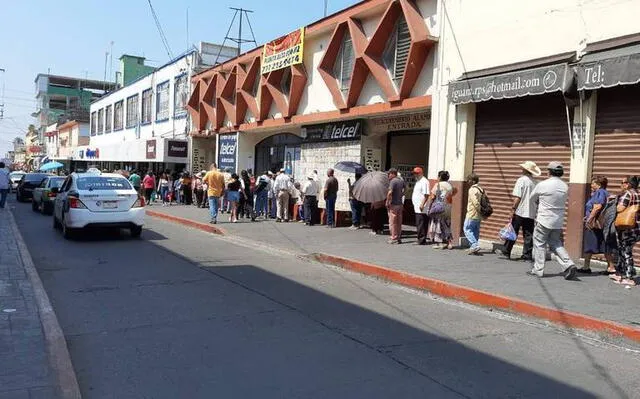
x=338, y=131
x=92, y=154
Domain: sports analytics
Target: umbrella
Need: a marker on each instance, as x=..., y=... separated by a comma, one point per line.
x=350, y=167
x=51, y=166
x=371, y=187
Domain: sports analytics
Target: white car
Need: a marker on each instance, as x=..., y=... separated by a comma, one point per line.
x=94, y=199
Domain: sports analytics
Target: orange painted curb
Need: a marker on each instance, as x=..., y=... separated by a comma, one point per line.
x=487, y=299
x=187, y=222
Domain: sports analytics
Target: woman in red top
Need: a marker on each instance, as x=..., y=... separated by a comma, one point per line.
x=148, y=183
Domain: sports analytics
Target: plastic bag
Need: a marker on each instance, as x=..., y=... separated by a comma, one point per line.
x=153, y=196
x=508, y=233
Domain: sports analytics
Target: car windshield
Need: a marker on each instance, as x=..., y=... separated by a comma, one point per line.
x=56, y=182
x=103, y=183
x=35, y=177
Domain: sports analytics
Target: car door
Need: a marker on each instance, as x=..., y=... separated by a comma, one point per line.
x=61, y=198
x=37, y=192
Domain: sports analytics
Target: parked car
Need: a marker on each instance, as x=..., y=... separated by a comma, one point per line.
x=27, y=184
x=15, y=179
x=95, y=199
x=43, y=197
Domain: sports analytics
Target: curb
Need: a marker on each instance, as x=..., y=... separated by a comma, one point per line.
x=187, y=222
x=566, y=319
x=59, y=357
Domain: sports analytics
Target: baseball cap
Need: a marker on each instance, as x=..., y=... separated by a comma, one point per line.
x=417, y=170
x=555, y=165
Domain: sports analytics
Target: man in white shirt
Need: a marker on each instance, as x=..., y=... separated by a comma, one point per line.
x=419, y=199
x=551, y=197
x=5, y=184
x=282, y=188
x=310, y=191
x=523, y=211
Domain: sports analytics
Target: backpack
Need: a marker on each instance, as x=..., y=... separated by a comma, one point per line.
x=262, y=184
x=486, y=209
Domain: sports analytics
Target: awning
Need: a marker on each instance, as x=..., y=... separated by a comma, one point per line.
x=534, y=81
x=619, y=66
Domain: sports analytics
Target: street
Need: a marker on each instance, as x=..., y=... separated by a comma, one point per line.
x=184, y=314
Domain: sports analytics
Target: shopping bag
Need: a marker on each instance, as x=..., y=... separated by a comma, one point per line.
x=154, y=196
x=507, y=233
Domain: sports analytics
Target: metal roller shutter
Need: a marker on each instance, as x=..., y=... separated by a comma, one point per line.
x=509, y=132
x=616, y=151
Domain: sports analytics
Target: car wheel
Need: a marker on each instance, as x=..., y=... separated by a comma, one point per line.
x=136, y=231
x=67, y=232
x=34, y=206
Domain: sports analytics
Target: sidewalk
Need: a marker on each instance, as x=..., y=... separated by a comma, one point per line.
x=594, y=295
x=25, y=368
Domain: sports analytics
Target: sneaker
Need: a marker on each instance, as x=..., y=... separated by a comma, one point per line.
x=473, y=251
x=394, y=242
x=570, y=273
x=353, y=227
x=533, y=274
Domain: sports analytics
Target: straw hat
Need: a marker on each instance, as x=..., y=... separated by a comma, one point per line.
x=531, y=167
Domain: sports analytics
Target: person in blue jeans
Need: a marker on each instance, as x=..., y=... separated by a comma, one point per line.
x=330, y=196
x=473, y=218
x=5, y=184
x=261, y=195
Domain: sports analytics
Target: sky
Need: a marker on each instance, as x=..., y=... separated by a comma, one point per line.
x=70, y=37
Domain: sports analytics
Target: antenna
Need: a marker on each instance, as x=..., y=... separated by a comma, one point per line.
x=188, y=44
x=111, y=61
x=163, y=38
x=2, y=95
x=239, y=12
x=326, y=5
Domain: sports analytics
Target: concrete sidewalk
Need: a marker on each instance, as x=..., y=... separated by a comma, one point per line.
x=593, y=295
x=26, y=351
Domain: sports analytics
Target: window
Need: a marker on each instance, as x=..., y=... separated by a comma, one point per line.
x=103, y=183
x=286, y=82
x=93, y=123
x=132, y=111
x=180, y=93
x=397, y=50
x=147, y=95
x=101, y=121
x=118, y=113
x=344, y=64
x=108, y=118
x=162, y=101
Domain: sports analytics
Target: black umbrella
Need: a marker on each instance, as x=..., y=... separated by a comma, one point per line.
x=350, y=167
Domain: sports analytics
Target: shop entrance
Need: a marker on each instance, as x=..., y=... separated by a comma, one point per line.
x=405, y=151
x=278, y=151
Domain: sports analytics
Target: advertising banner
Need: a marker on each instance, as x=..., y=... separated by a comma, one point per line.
x=335, y=131
x=177, y=148
x=283, y=52
x=227, y=149
x=151, y=149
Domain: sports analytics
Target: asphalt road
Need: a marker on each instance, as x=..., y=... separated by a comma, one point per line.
x=183, y=314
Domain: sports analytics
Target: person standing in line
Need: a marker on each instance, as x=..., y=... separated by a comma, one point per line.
x=310, y=192
x=282, y=189
x=419, y=199
x=135, y=181
x=523, y=211
x=187, y=193
x=440, y=223
x=272, y=197
x=149, y=184
x=298, y=198
x=473, y=218
x=164, y=188
x=233, y=196
x=627, y=238
x=262, y=195
x=395, y=206
x=593, y=239
x=551, y=197
x=215, y=190
x=330, y=196
x=246, y=199
x=5, y=184
x=197, y=189
x=356, y=206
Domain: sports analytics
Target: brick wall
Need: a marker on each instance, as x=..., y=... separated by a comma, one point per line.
x=322, y=156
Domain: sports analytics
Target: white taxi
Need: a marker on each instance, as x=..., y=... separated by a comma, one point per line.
x=95, y=199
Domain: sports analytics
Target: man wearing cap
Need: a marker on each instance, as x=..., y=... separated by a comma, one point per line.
x=395, y=205
x=310, y=192
x=282, y=192
x=419, y=199
x=551, y=197
x=523, y=211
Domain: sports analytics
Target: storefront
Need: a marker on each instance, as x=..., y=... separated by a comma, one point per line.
x=519, y=116
x=276, y=151
x=203, y=151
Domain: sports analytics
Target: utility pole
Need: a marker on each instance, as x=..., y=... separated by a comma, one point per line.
x=2, y=95
x=242, y=14
x=326, y=5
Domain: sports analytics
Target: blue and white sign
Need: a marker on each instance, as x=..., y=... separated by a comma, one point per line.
x=227, y=151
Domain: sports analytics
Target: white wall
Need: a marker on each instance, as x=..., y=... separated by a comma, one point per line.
x=175, y=127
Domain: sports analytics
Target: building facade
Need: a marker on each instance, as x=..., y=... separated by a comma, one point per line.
x=360, y=90
x=144, y=125
x=66, y=143
x=513, y=92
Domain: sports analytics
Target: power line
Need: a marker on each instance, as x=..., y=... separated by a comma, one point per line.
x=163, y=38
